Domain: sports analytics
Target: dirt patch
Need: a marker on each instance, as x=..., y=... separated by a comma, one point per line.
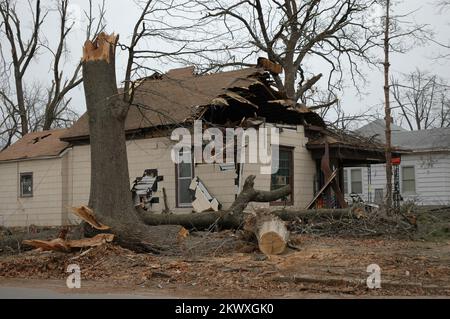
x=327, y=257
x=322, y=265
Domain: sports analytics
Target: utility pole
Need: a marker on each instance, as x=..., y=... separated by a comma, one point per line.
x=387, y=109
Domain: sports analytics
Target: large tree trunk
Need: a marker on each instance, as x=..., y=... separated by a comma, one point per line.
x=204, y=220
x=110, y=196
x=234, y=216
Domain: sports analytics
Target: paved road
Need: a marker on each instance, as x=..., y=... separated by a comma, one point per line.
x=38, y=293
x=56, y=289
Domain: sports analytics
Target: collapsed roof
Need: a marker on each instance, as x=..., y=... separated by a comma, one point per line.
x=180, y=96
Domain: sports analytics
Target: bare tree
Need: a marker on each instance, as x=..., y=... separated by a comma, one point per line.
x=293, y=34
x=443, y=7
x=57, y=103
x=22, y=51
x=423, y=100
x=443, y=4
x=28, y=106
x=338, y=118
x=166, y=30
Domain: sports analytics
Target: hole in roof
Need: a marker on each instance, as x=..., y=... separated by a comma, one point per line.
x=39, y=138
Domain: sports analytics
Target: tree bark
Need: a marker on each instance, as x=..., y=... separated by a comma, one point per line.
x=234, y=217
x=249, y=194
x=204, y=220
x=110, y=196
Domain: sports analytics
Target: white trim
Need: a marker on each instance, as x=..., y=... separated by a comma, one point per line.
x=60, y=155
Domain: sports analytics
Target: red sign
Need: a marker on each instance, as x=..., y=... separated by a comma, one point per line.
x=396, y=161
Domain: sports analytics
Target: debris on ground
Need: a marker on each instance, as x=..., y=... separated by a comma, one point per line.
x=323, y=265
x=324, y=255
x=60, y=244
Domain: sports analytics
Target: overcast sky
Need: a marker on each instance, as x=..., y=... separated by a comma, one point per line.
x=121, y=16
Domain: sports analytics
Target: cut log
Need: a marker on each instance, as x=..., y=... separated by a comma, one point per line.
x=272, y=235
x=269, y=230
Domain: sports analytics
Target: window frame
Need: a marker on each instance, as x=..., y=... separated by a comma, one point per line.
x=345, y=180
x=290, y=202
x=177, y=184
x=22, y=195
x=402, y=180
x=360, y=181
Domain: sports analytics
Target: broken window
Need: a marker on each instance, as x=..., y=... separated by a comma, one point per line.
x=26, y=184
x=356, y=180
x=408, y=179
x=184, y=175
x=284, y=175
x=144, y=189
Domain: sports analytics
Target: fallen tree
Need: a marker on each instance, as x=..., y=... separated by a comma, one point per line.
x=231, y=218
x=234, y=217
x=110, y=199
x=205, y=220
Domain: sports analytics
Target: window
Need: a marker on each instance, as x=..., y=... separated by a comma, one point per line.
x=345, y=181
x=408, y=179
x=356, y=181
x=26, y=184
x=184, y=173
x=284, y=175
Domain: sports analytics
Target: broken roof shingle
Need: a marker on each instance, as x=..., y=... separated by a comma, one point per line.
x=171, y=99
x=36, y=145
x=179, y=96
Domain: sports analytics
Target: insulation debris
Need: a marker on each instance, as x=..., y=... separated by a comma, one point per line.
x=203, y=199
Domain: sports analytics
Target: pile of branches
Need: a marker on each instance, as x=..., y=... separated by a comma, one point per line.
x=365, y=224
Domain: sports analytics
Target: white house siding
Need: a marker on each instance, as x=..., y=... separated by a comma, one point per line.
x=61, y=183
x=432, y=176
x=151, y=154
x=155, y=153
x=304, y=168
x=44, y=208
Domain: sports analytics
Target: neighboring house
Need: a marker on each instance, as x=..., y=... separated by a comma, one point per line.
x=424, y=172
x=41, y=180
x=33, y=180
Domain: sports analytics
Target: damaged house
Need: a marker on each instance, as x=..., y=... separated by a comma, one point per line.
x=44, y=174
